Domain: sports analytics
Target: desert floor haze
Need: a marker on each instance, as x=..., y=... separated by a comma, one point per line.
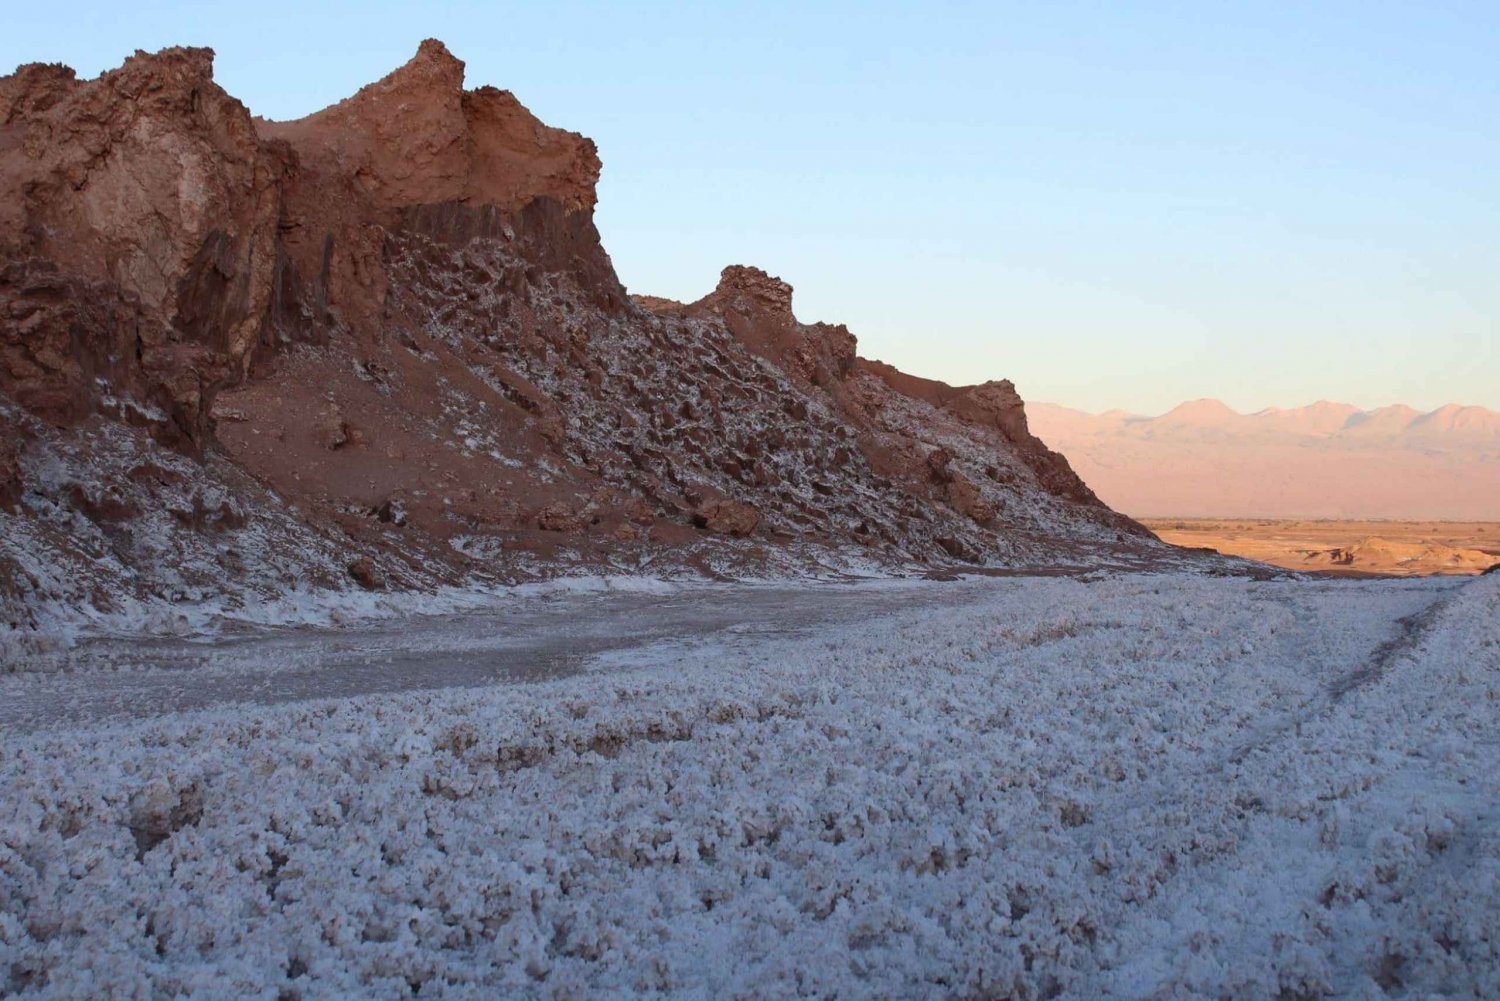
x=1327, y=460
x=1326, y=487
x=393, y=605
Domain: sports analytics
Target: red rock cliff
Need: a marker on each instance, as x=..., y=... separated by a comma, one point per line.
x=396, y=318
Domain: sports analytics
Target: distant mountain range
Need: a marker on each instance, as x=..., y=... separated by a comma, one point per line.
x=1325, y=460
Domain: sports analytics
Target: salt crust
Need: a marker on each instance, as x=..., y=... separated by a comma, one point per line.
x=1160, y=786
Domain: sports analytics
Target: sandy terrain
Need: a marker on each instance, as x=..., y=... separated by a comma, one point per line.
x=1404, y=548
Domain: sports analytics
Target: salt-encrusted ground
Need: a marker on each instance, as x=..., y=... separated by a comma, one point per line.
x=1130, y=787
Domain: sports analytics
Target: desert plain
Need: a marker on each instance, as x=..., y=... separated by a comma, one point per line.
x=1398, y=548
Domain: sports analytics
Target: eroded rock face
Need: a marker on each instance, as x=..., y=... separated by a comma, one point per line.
x=11, y=482
x=995, y=405
x=404, y=296
x=417, y=137
x=415, y=151
x=137, y=228
x=757, y=309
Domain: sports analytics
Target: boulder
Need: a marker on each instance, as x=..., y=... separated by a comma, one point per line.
x=366, y=574
x=559, y=516
x=727, y=517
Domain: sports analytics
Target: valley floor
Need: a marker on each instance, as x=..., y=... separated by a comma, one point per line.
x=1112, y=786
x=1397, y=548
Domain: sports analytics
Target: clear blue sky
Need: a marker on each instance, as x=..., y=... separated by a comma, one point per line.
x=1113, y=204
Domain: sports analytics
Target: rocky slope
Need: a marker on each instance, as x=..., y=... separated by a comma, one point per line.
x=1325, y=460
x=382, y=347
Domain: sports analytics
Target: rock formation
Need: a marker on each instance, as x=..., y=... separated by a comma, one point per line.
x=383, y=347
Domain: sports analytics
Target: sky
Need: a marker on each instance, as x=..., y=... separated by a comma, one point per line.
x=1111, y=204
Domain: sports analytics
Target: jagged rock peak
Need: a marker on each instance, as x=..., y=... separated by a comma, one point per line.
x=182, y=61
x=433, y=73
x=417, y=137
x=432, y=53
x=147, y=77
x=741, y=284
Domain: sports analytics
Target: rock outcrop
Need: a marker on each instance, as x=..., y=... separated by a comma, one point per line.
x=138, y=233
x=389, y=335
